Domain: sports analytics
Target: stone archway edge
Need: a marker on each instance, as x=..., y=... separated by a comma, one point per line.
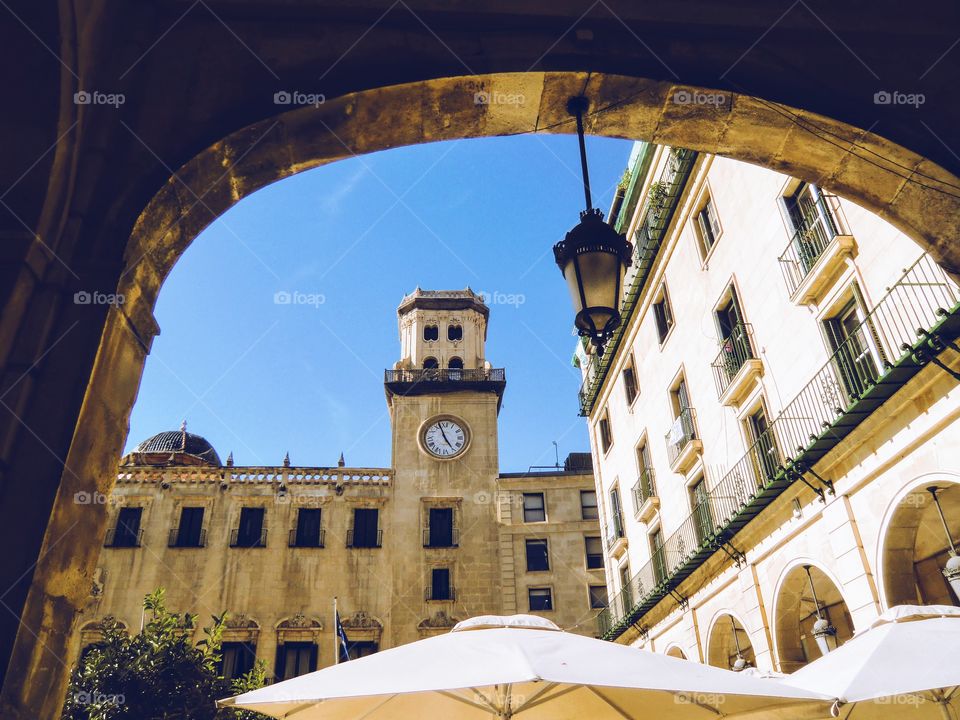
x=917, y=196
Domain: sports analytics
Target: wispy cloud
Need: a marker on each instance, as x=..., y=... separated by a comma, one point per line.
x=332, y=200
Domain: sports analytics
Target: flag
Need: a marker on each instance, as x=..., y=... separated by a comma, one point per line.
x=342, y=653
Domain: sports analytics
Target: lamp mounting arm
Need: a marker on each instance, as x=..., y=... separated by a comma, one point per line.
x=576, y=106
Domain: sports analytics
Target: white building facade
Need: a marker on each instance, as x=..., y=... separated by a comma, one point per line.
x=769, y=420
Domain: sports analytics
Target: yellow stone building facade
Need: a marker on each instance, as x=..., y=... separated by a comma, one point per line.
x=408, y=550
x=770, y=419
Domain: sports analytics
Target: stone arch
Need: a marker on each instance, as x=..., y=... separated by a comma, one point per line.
x=881, y=176
x=676, y=651
x=721, y=645
x=794, y=613
x=912, y=545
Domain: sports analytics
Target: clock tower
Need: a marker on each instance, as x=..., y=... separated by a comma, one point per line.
x=444, y=397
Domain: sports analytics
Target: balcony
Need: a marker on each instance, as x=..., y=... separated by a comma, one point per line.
x=420, y=381
x=616, y=538
x=188, y=540
x=255, y=539
x=815, y=254
x=736, y=369
x=683, y=445
x=440, y=594
x=652, y=229
x=121, y=537
x=911, y=325
x=317, y=541
x=645, y=499
x=364, y=540
x=450, y=539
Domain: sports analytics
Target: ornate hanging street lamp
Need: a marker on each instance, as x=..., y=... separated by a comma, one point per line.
x=951, y=571
x=593, y=258
x=823, y=632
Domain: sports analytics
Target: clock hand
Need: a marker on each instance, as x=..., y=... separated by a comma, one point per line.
x=449, y=444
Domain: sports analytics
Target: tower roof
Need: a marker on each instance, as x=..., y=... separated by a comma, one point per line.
x=179, y=442
x=465, y=299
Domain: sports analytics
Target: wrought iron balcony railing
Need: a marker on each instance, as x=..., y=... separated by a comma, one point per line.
x=296, y=539
x=188, y=540
x=907, y=329
x=655, y=220
x=119, y=537
x=683, y=431
x=247, y=539
x=364, y=540
x=643, y=489
x=446, y=592
x=615, y=530
x=441, y=375
x=735, y=350
x=441, y=540
x=810, y=240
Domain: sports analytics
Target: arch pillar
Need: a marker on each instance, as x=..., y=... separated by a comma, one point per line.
x=852, y=566
x=755, y=616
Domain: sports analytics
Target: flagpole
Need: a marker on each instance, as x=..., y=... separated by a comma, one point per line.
x=336, y=634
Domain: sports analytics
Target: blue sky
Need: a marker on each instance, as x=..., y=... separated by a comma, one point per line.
x=261, y=378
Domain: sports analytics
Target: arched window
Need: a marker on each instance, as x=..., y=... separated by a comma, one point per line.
x=430, y=363
x=455, y=363
x=454, y=332
x=431, y=332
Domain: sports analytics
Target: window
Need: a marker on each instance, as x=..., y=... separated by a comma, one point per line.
x=683, y=429
x=250, y=532
x=308, y=532
x=603, y=427
x=540, y=599
x=662, y=314
x=295, y=659
x=657, y=553
x=594, y=550
x=706, y=226
x=440, y=585
x=534, y=509
x=588, y=505
x=127, y=532
x=598, y=596
x=616, y=514
x=763, y=445
x=430, y=363
x=236, y=658
x=440, y=528
x=701, y=510
x=630, y=382
x=361, y=648
x=365, y=532
x=189, y=533
x=853, y=340
x=454, y=333
x=431, y=333
x=537, y=556
x=735, y=347
x=625, y=586
x=455, y=363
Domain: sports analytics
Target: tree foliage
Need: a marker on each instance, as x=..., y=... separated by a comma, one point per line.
x=157, y=674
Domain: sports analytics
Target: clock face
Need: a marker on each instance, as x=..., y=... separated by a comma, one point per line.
x=444, y=438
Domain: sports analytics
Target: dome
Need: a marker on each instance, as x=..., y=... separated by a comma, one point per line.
x=180, y=442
